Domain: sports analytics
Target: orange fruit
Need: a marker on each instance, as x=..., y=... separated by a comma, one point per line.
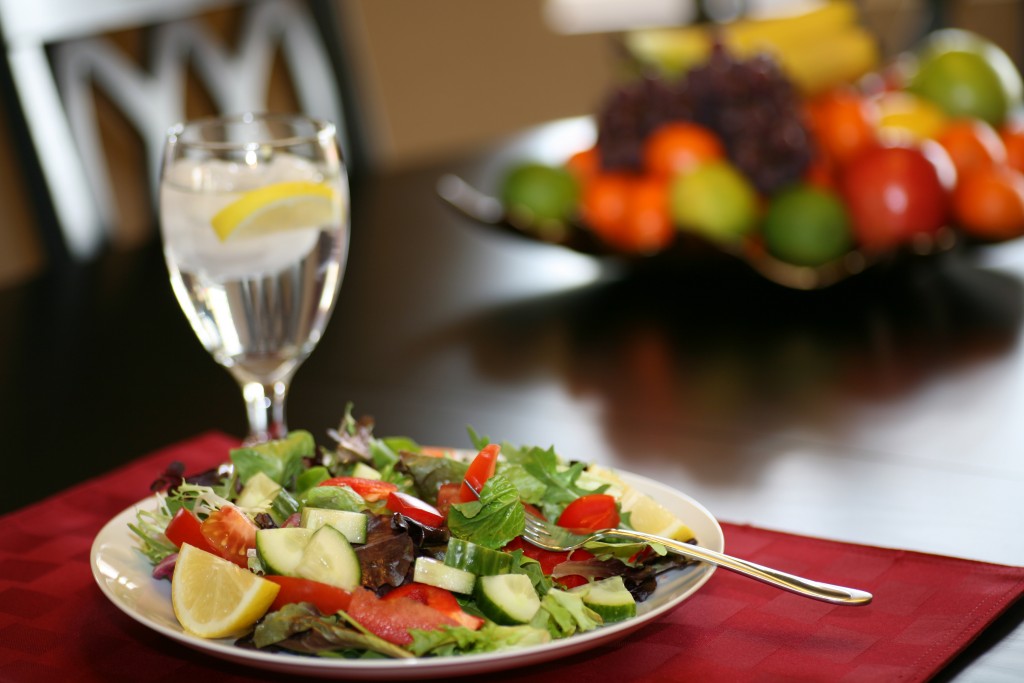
x=680, y=146
x=972, y=145
x=989, y=203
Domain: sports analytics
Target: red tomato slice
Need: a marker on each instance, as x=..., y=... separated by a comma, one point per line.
x=446, y=495
x=480, y=470
x=392, y=619
x=550, y=559
x=415, y=509
x=185, y=527
x=591, y=512
x=438, y=598
x=231, y=533
x=327, y=599
x=370, y=489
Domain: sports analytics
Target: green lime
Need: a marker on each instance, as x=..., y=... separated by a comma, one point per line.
x=963, y=84
x=806, y=226
x=534, y=193
x=714, y=200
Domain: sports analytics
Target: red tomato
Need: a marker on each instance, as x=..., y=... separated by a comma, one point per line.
x=392, y=619
x=990, y=204
x=591, y=512
x=480, y=470
x=415, y=509
x=446, y=495
x=231, y=533
x=438, y=598
x=550, y=559
x=370, y=489
x=893, y=193
x=185, y=527
x=327, y=599
x=679, y=146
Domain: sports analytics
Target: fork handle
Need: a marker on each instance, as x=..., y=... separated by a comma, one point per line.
x=818, y=590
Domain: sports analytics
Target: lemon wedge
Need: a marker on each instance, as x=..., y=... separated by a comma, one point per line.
x=645, y=513
x=277, y=208
x=215, y=598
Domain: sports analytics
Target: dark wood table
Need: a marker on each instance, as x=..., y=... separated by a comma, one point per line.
x=885, y=410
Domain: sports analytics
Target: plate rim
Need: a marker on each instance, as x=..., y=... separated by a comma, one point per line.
x=117, y=581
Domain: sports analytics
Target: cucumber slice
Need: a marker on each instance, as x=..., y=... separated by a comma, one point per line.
x=476, y=559
x=507, y=599
x=329, y=558
x=352, y=524
x=609, y=597
x=259, y=491
x=435, y=573
x=364, y=471
x=280, y=550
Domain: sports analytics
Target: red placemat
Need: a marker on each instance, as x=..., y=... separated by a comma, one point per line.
x=55, y=624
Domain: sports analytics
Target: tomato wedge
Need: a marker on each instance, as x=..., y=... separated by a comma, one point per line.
x=446, y=495
x=590, y=512
x=185, y=527
x=231, y=533
x=392, y=619
x=415, y=509
x=549, y=559
x=327, y=599
x=480, y=470
x=438, y=598
x=370, y=489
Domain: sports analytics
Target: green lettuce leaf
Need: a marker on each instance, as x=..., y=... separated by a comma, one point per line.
x=564, y=614
x=334, y=498
x=456, y=640
x=493, y=520
x=281, y=459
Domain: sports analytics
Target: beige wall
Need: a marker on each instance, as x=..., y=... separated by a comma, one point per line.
x=441, y=75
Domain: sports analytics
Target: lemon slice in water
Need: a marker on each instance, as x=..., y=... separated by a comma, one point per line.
x=215, y=598
x=277, y=208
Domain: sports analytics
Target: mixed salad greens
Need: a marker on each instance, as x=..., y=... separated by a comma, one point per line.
x=385, y=548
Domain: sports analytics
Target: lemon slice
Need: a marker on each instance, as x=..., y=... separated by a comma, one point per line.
x=214, y=598
x=645, y=513
x=277, y=208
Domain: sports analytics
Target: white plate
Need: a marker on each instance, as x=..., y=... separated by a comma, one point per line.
x=124, y=575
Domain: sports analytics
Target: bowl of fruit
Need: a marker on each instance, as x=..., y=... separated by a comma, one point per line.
x=807, y=177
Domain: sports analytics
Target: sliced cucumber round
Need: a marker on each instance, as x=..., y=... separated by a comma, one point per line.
x=507, y=599
x=476, y=559
x=280, y=550
x=610, y=598
x=435, y=573
x=352, y=524
x=329, y=558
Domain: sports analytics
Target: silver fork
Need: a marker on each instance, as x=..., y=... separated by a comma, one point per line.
x=549, y=536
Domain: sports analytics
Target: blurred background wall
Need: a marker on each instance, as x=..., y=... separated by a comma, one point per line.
x=439, y=77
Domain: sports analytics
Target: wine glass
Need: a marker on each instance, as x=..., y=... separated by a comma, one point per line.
x=254, y=214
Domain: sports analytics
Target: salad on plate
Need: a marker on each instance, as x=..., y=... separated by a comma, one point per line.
x=383, y=548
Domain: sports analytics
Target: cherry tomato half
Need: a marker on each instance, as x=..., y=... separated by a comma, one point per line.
x=480, y=470
x=393, y=619
x=893, y=193
x=328, y=599
x=446, y=495
x=415, y=509
x=231, y=533
x=370, y=489
x=590, y=512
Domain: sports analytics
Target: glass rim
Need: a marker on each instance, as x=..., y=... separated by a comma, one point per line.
x=321, y=129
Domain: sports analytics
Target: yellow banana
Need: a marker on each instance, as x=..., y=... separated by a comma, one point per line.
x=818, y=49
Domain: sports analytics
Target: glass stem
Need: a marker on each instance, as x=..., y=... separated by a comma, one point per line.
x=264, y=404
